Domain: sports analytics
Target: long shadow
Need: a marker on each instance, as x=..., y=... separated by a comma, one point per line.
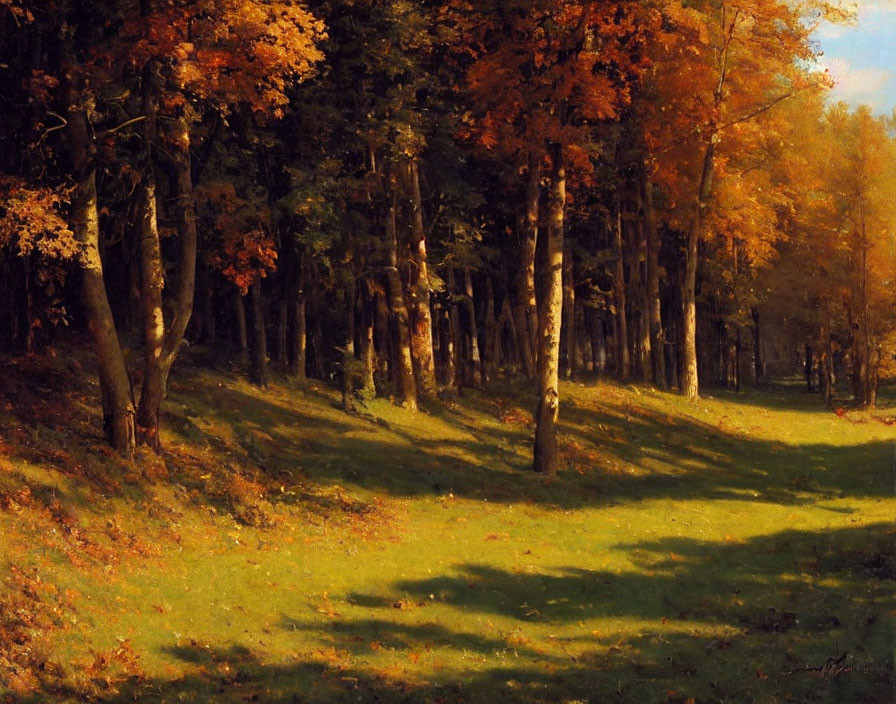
x=793, y=616
x=672, y=456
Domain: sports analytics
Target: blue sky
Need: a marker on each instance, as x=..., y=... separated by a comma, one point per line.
x=861, y=57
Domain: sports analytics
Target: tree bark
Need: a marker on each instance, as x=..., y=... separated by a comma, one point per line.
x=690, y=385
x=757, y=347
x=163, y=342
x=489, y=361
x=623, y=361
x=151, y=283
x=242, y=330
x=402, y=364
x=654, y=304
x=568, y=324
x=456, y=337
x=526, y=310
x=419, y=292
x=470, y=305
x=118, y=406
x=298, y=369
x=807, y=368
x=365, y=340
x=548, y=409
x=258, y=368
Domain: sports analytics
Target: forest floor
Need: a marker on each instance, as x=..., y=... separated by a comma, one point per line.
x=740, y=549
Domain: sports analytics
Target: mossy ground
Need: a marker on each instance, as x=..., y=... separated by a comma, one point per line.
x=730, y=550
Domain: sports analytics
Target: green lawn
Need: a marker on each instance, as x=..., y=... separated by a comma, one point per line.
x=730, y=550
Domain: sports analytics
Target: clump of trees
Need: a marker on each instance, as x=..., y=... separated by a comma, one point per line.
x=428, y=195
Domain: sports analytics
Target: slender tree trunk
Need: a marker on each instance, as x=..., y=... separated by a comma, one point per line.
x=654, y=304
x=242, y=329
x=457, y=338
x=526, y=312
x=690, y=384
x=550, y=314
x=163, y=342
x=118, y=405
x=623, y=361
x=470, y=304
x=209, y=316
x=568, y=324
x=365, y=340
x=488, y=366
x=402, y=364
x=258, y=368
x=757, y=347
x=419, y=292
x=151, y=284
x=807, y=368
x=298, y=368
x=737, y=360
x=282, y=331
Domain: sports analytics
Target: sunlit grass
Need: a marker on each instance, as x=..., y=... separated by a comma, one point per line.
x=290, y=552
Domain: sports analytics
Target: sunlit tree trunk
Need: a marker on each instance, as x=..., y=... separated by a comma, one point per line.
x=118, y=406
x=470, y=305
x=526, y=311
x=163, y=342
x=366, y=349
x=419, y=292
x=689, y=379
x=402, y=364
x=549, y=319
x=623, y=361
x=654, y=304
x=569, y=313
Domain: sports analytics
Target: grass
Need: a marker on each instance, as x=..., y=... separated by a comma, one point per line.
x=731, y=550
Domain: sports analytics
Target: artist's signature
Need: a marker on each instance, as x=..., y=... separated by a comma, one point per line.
x=833, y=667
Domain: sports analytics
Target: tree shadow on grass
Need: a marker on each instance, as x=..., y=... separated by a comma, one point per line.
x=612, y=452
x=791, y=616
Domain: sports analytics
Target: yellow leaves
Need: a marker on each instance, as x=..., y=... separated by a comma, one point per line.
x=33, y=221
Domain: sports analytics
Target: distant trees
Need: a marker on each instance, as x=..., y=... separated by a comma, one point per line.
x=419, y=197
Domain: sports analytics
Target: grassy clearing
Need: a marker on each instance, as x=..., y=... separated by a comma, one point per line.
x=284, y=551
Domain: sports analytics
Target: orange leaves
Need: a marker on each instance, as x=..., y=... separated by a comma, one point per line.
x=33, y=220
x=227, y=51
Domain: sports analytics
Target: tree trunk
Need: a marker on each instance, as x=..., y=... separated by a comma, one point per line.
x=623, y=362
x=654, y=307
x=118, y=406
x=151, y=283
x=282, y=331
x=419, y=292
x=526, y=311
x=457, y=338
x=242, y=330
x=757, y=347
x=298, y=369
x=550, y=313
x=568, y=324
x=470, y=305
x=488, y=363
x=402, y=364
x=365, y=340
x=163, y=343
x=807, y=368
x=258, y=368
x=690, y=385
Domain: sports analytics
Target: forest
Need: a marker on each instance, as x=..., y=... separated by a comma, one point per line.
x=412, y=208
